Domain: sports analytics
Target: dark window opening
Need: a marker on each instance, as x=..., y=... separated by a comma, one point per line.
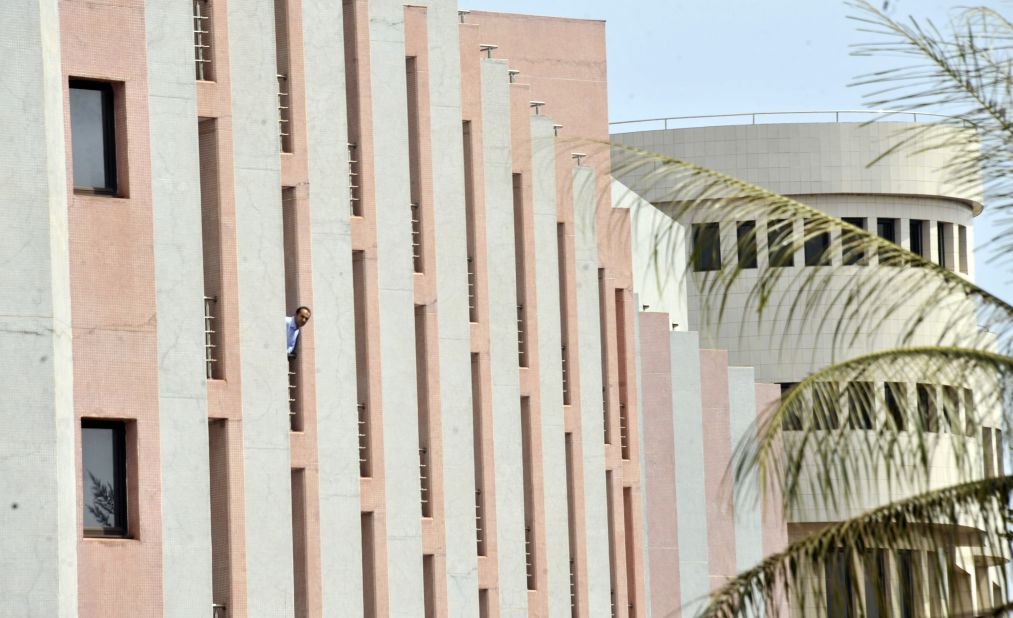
x=918, y=245
x=851, y=242
x=817, y=244
x=781, y=251
x=951, y=409
x=943, y=245
x=840, y=586
x=746, y=236
x=927, y=408
x=826, y=406
x=895, y=397
x=905, y=575
x=93, y=136
x=876, y=599
x=791, y=421
x=706, y=246
x=104, y=476
x=860, y=405
x=887, y=230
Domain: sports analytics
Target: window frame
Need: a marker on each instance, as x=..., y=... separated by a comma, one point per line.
x=698, y=231
x=746, y=245
x=781, y=243
x=120, y=472
x=110, y=154
x=816, y=245
x=852, y=249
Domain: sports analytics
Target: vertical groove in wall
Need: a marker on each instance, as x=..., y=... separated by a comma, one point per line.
x=221, y=567
x=631, y=561
x=422, y=388
x=571, y=522
x=299, y=544
x=368, y=566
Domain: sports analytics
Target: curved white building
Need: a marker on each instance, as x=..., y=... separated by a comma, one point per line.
x=904, y=197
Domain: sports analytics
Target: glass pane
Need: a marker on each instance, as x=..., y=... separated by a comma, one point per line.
x=88, y=139
x=706, y=246
x=98, y=456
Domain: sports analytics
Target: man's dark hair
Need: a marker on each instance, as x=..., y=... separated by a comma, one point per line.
x=301, y=307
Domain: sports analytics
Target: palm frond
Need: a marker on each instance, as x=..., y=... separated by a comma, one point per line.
x=973, y=508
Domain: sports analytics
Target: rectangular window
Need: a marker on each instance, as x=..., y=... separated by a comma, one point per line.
x=791, y=421
x=104, y=477
x=571, y=519
x=962, y=247
x=469, y=220
x=851, y=242
x=906, y=582
x=520, y=268
x=221, y=490
x=780, y=249
x=918, y=229
x=418, y=210
x=876, y=598
x=887, y=230
x=1000, y=454
x=951, y=409
x=970, y=418
x=476, y=412
x=927, y=408
x=826, y=406
x=943, y=246
x=987, y=454
x=895, y=397
x=817, y=244
x=860, y=405
x=839, y=585
x=211, y=234
x=93, y=136
x=706, y=247
x=746, y=236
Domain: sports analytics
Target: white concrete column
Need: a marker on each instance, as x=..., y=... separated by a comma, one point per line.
x=557, y=545
x=38, y=478
x=395, y=289
x=648, y=609
x=690, y=490
x=260, y=269
x=592, y=420
x=506, y=421
x=333, y=310
x=179, y=290
x=452, y=316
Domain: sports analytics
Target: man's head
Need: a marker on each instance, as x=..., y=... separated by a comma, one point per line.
x=302, y=315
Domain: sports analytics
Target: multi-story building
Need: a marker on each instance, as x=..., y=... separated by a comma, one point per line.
x=904, y=198
x=458, y=432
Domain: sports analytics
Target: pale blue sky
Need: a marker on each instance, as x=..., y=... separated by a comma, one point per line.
x=693, y=57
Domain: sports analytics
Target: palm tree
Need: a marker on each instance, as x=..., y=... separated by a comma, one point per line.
x=805, y=452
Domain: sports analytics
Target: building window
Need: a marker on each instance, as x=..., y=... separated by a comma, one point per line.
x=791, y=421
x=779, y=245
x=927, y=408
x=93, y=136
x=942, y=239
x=840, y=587
x=962, y=247
x=104, y=476
x=706, y=246
x=895, y=398
x=851, y=242
x=918, y=228
x=817, y=244
x=887, y=230
x=746, y=236
x=860, y=405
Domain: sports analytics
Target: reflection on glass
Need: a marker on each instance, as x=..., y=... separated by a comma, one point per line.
x=103, y=477
x=91, y=136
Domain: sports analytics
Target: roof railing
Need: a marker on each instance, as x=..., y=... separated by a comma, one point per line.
x=757, y=117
